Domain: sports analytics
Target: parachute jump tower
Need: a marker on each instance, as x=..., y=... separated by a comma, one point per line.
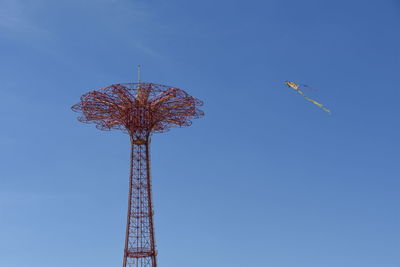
x=139, y=109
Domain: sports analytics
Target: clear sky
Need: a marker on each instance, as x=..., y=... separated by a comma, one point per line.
x=264, y=179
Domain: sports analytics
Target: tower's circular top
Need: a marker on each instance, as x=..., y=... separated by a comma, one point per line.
x=134, y=108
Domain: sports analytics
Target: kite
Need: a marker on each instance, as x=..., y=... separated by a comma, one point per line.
x=297, y=87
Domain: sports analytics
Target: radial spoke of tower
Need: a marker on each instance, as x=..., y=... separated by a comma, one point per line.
x=139, y=110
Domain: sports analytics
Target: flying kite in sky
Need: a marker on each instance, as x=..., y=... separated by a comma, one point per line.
x=298, y=87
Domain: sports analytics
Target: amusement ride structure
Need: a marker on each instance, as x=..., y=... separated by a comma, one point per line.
x=139, y=109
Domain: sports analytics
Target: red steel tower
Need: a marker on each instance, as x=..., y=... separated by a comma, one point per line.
x=139, y=109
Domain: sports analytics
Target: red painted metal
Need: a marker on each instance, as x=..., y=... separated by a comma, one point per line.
x=139, y=109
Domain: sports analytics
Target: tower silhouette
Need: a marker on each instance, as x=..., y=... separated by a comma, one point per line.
x=139, y=109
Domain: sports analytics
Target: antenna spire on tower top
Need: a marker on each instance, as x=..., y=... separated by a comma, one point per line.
x=138, y=70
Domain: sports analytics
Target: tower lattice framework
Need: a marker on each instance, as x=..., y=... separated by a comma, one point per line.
x=139, y=109
x=139, y=241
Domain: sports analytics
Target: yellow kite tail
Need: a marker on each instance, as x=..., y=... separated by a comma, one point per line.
x=315, y=102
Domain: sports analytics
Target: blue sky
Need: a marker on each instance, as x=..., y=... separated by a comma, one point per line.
x=264, y=179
